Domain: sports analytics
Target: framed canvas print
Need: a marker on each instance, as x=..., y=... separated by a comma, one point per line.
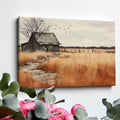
x=65, y=52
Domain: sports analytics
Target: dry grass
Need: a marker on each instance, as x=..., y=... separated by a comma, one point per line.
x=75, y=69
x=25, y=78
x=79, y=69
x=65, y=55
x=25, y=57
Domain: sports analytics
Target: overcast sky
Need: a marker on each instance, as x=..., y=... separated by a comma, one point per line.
x=80, y=32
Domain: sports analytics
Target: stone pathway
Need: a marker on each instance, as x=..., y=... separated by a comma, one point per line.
x=40, y=75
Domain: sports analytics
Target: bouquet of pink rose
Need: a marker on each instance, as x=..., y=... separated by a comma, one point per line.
x=43, y=105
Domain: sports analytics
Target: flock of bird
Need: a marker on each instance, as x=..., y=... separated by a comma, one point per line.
x=56, y=27
x=64, y=29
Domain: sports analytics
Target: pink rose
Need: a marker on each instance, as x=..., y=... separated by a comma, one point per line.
x=69, y=117
x=51, y=107
x=26, y=106
x=74, y=108
x=55, y=117
x=6, y=118
x=61, y=112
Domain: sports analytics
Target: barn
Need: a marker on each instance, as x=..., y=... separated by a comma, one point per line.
x=41, y=41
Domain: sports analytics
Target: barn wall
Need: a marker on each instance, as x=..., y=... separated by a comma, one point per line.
x=35, y=46
x=50, y=47
x=56, y=48
x=27, y=47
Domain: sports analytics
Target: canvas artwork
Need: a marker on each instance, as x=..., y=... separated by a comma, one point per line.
x=65, y=52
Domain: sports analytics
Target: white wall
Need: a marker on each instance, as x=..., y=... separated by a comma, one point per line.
x=90, y=97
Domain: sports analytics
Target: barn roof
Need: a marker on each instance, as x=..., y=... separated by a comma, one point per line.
x=45, y=38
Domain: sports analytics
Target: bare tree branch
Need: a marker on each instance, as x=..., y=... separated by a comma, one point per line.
x=33, y=25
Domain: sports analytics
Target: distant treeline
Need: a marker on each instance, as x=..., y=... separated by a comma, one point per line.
x=92, y=47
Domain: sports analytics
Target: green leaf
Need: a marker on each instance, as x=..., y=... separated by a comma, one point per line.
x=49, y=98
x=1, y=102
x=4, y=81
x=18, y=116
x=60, y=101
x=107, y=104
x=75, y=118
x=42, y=92
x=105, y=118
x=13, y=88
x=116, y=102
x=5, y=111
x=91, y=118
x=11, y=101
x=28, y=100
x=114, y=112
x=30, y=91
x=80, y=113
x=41, y=111
x=31, y=116
x=51, y=89
x=5, y=92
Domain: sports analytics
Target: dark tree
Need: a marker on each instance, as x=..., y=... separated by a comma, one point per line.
x=33, y=25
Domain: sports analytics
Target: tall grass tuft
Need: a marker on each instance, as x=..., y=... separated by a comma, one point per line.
x=83, y=69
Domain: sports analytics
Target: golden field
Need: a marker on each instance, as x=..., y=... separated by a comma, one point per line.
x=75, y=69
x=25, y=57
